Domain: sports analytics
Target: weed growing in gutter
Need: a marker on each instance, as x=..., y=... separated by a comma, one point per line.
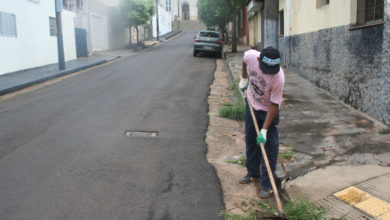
x=385, y=131
x=301, y=209
x=241, y=161
x=235, y=112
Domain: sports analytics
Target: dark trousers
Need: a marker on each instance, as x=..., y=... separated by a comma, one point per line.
x=254, y=160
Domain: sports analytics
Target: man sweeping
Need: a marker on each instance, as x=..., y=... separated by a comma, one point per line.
x=263, y=80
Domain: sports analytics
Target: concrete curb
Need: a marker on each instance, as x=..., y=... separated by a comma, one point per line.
x=60, y=74
x=169, y=37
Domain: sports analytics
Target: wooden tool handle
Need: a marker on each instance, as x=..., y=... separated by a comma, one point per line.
x=264, y=153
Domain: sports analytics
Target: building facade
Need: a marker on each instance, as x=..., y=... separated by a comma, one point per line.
x=181, y=9
x=342, y=47
x=164, y=22
x=28, y=35
x=255, y=11
x=101, y=22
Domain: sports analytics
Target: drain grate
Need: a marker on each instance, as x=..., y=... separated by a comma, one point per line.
x=141, y=133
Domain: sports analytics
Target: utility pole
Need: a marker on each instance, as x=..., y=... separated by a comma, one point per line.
x=157, y=24
x=271, y=16
x=60, y=41
x=178, y=14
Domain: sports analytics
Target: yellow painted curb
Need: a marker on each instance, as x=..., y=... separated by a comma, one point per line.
x=385, y=216
x=365, y=202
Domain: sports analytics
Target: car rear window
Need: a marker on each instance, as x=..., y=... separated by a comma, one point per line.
x=209, y=34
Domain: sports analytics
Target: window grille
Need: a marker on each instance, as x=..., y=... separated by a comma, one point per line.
x=79, y=4
x=53, y=26
x=7, y=24
x=370, y=11
x=168, y=6
x=68, y=4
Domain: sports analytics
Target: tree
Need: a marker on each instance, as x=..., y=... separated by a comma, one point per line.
x=215, y=13
x=235, y=6
x=135, y=13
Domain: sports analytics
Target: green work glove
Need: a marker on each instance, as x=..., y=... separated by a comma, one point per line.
x=262, y=138
x=243, y=84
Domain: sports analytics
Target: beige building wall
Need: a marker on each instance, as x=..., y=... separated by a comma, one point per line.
x=304, y=16
x=252, y=26
x=255, y=30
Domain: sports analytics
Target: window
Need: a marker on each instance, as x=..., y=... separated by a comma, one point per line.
x=7, y=25
x=370, y=11
x=281, y=23
x=79, y=4
x=68, y=4
x=53, y=26
x=321, y=3
x=168, y=5
x=185, y=8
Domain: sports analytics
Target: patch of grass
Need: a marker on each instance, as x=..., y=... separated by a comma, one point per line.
x=304, y=209
x=287, y=154
x=231, y=216
x=226, y=104
x=241, y=161
x=301, y=209
x=235, y=112
x=234, y=88
x=385, y=131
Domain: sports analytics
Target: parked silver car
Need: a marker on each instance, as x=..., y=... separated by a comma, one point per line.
x=208, y=42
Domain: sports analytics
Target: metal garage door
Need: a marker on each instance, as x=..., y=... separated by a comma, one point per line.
x=99, y=33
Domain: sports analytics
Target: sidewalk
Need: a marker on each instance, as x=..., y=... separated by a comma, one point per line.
x=334, y=147
x=14, y=81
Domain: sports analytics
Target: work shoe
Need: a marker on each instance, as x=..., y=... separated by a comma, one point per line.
x=248, y=179
x=265, y=193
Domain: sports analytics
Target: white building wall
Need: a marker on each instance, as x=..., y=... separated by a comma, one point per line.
x=69, y=35
x=165, y=20
x=33, y=45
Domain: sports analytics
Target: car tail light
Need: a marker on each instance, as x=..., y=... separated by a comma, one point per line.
x=197, y=40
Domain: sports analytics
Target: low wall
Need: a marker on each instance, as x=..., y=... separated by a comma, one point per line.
x=353, y=65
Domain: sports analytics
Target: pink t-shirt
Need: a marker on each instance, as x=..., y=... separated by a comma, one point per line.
x=263, y=88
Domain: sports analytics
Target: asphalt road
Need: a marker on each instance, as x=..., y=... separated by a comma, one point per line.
x=64, y=153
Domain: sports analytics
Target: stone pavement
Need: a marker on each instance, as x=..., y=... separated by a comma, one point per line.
x=14, y=81
x=333, y=145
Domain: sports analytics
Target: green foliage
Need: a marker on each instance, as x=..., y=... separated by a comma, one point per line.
x=287, y=154
x=235, y=5
x=385, y=131
x=226, y=104
x=299, y=210
x=235, y=112
x=214, y=13
x=231, y=216
x=241, y=161
x=136, y=12
x=304, y=209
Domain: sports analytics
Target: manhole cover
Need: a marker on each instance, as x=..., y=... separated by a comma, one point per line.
x=141, y=133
